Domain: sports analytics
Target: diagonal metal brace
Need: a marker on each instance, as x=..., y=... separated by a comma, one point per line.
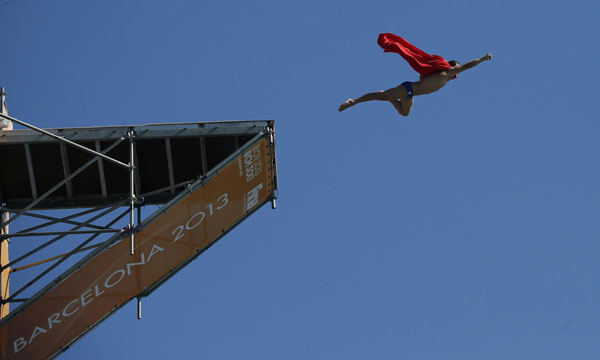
x=64, y=181
x=80, y=147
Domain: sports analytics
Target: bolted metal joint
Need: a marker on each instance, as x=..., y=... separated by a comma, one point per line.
x=271, y=136
x=129, y=230
x=131, y=135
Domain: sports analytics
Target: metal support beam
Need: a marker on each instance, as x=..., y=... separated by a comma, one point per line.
x=139, y=307
x=80, y=147
x=57, y=186
x=138, y=179
x=170, y=164
x=53, y=221
x=66, y=219
x=165, y=189
x=101, y=171
x=66, y=170
x=131, y=135
x=272, y=143
x=110, y=209
x=34, y=193
x=52, y=233
x=53, y=266
x=203, y=156
x=9, y=301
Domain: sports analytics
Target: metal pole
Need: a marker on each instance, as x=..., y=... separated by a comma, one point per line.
x=272, y=143
x=131, y=135
x=139, y=301
x=80, y=147
x=51, y=233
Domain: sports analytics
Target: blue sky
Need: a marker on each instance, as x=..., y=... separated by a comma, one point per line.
x=468, y=230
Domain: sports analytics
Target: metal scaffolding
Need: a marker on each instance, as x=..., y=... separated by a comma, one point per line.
x=103, y=212
x=90, y=228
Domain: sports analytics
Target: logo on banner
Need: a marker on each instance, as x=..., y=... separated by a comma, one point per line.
x=251, y=198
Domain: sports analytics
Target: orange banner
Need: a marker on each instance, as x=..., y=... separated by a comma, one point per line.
x=114, y=277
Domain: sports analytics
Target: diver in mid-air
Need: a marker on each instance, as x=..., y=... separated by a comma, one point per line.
x=435, y=73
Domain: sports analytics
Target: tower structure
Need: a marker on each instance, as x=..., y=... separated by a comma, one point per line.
x=83, y=191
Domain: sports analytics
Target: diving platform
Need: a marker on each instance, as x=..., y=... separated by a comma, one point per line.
x=166, y=154
x=89, y=185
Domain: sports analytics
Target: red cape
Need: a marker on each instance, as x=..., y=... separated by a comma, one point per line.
x=422, y=62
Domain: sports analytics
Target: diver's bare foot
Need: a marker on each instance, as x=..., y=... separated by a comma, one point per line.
x=346, y=104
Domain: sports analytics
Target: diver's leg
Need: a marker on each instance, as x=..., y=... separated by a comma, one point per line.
x=402, y=106
x=398, y=96
x=366, y=97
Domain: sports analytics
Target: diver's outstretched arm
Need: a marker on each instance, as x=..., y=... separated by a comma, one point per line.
x=471, y=64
